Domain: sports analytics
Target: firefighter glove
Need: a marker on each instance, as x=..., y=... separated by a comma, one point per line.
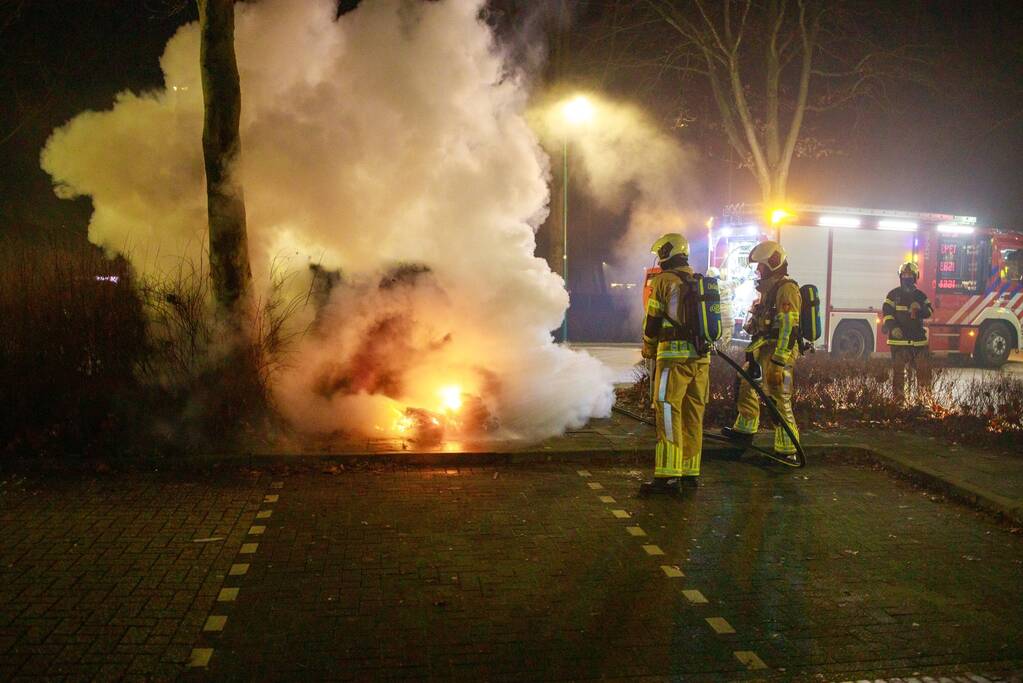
x=896, y=333
x=649, y=351
x=914, y=310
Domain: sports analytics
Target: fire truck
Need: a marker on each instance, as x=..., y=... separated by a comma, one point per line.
x=973, y=275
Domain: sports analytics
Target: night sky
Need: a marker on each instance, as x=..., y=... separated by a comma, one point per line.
x=956, y=147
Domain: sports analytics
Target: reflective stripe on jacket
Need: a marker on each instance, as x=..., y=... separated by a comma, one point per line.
x=897, y=312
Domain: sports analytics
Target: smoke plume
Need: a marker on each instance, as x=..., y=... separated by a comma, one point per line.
x=628, y=165
x=390, y=145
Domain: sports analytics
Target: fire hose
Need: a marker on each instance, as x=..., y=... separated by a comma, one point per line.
x=800, y=460
x=772, y=407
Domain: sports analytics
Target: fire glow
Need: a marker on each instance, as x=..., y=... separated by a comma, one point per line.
x=451, y=399
x=457, y=414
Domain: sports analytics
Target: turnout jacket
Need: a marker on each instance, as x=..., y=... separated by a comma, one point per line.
x=663, y=339
x=774, y=319
x=906, y=309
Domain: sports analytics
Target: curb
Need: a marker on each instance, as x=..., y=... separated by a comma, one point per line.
x=964, y=492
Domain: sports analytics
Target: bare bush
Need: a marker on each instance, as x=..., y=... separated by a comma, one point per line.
x=832, y=393
x=218, y=379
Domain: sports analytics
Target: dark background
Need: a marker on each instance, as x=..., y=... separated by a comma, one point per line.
x=952, y=146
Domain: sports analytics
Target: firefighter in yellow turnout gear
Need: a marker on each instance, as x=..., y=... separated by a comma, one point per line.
x=773, y=325
x=681, y=379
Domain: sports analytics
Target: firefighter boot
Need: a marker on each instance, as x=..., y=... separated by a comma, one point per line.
x=741, y=439
x=659, y=485
x=690, y=483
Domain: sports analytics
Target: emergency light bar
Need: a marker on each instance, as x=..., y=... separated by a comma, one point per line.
x=897, y=225
x=838, y=221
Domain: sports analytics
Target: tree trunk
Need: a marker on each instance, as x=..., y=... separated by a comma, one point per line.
x=236, y=401
x=229, y=254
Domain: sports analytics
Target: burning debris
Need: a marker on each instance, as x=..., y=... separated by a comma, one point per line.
x=460, y=416
x=399, y=335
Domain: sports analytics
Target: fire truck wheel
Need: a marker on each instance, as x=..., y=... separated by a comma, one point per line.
x=995, y=343
x=852, y=340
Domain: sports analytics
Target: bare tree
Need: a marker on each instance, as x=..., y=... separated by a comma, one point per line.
x=229, y=255
x=766, y=65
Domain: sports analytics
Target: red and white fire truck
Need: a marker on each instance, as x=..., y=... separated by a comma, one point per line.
x=972, y=274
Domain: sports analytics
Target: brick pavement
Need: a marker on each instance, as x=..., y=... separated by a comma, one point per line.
x=545, y=573
x=111, y=577
x=835, y=572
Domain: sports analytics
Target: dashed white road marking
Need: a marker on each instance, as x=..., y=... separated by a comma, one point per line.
x=672, y=571
x=695, y=596
x=750, y=659
x=607, y=499
x=621, y=514
x=653, y=550
x=257, y=529
x=264, y=514
x=583, y=473
x=719, y=625
x=595, y=486
x=238, y=569
x=200, y=657
x=214, y=623
x=227, y=595
x=271, y=498
x=635, y=531
x=248, y=548
x=277, y=485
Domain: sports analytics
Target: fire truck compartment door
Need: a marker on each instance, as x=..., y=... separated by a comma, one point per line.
x=865, y=266
x=807, y=249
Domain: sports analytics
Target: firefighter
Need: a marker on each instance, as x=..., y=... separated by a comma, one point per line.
x=905, y=310
x=773, y=326
x=681, y=379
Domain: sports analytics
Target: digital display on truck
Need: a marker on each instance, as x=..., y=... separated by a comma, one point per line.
x=962, y=262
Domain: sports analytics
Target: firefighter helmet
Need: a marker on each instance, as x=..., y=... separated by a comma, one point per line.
x=670, y=245
x=770, y=253
x=911, y=269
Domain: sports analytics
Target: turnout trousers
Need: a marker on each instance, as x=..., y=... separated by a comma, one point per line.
x=918, y=360
x=777, y=384
x=681, y=390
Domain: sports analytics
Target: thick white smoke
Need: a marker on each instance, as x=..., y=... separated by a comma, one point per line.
x=394, y=135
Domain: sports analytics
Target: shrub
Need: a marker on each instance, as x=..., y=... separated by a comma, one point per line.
x=71, y=334
x=93, y=361
x=985, y=409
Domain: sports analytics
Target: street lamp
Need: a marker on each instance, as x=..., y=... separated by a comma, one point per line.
x=578, y=111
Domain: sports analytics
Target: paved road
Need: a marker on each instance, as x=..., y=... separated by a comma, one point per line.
x=529, y=572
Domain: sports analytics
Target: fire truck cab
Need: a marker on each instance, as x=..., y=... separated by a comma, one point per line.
x=973, y=275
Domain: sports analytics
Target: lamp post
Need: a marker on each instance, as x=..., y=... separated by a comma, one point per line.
x=577, y=111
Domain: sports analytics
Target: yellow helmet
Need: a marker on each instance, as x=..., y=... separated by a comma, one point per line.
x=670, y=245
x=770, y=253
x=911, y=268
